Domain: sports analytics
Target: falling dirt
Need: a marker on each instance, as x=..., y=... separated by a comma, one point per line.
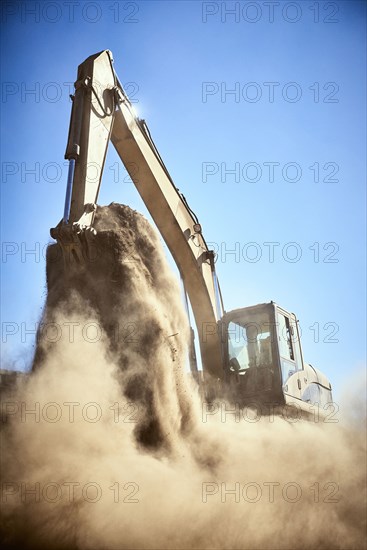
x=106, y=445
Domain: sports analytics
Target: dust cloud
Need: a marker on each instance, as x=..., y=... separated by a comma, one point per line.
x=106, y=445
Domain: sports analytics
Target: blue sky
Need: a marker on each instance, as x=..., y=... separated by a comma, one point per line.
x=180, y=61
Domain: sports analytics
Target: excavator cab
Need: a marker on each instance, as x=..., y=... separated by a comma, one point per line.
x=263, y=359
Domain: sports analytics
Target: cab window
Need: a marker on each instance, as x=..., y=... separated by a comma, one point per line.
x=249, y=344
x=285, y=338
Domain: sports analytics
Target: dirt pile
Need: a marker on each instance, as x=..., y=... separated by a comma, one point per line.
x=134, y=299
x=108, y=446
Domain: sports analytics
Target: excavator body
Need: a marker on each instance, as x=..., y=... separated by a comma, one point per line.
x=251, y=356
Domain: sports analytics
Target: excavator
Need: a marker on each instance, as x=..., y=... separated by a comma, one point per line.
x=248, y=355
